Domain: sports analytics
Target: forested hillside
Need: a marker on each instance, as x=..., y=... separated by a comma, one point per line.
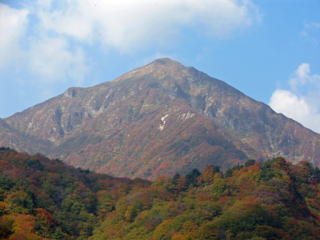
x=45, y=199
x=273, y=200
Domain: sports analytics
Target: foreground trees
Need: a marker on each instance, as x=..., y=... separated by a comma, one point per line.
x=257, y=201
x=44, y=199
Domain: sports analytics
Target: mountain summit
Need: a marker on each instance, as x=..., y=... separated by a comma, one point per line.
x=160, y=119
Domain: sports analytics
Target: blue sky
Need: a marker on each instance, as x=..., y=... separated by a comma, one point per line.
x=268, y=49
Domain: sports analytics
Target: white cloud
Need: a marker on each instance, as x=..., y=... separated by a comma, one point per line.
x=51, y=59
x=47, y=57
x=311, y=32
x=301, y=101
x=46, y=4
x=48, y=39
x=303, y=77
x=12, y=26
x=127, y=24
x=70, y=20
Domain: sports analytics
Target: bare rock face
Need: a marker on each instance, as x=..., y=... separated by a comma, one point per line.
x=157, y=120
x=20, y=141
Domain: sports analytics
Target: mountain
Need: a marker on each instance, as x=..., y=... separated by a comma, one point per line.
x=21, y=141
x=160, y=119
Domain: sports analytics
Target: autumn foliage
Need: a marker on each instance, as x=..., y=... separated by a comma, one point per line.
x=257, y=201
x=45, y=199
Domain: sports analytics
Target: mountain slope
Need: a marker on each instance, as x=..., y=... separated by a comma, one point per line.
x=159, y=119
x=9, y=136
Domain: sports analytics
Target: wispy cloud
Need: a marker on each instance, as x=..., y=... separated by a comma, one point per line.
x=299, y=102
x=311, y=32
x=127, y=24
x=46, y=56
x=53, y=59
x=13, y=24
x=49, y=40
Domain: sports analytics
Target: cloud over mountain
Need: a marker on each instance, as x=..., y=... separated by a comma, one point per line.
x=300, y=100
x=122, y=25
x=125, y=24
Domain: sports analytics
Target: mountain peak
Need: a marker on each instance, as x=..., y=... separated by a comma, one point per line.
x=165, y=61
x=158, y=68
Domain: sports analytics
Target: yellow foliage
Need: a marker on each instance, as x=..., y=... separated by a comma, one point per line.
x=179, y=236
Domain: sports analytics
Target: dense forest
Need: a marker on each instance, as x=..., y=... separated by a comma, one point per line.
x=45, y=199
